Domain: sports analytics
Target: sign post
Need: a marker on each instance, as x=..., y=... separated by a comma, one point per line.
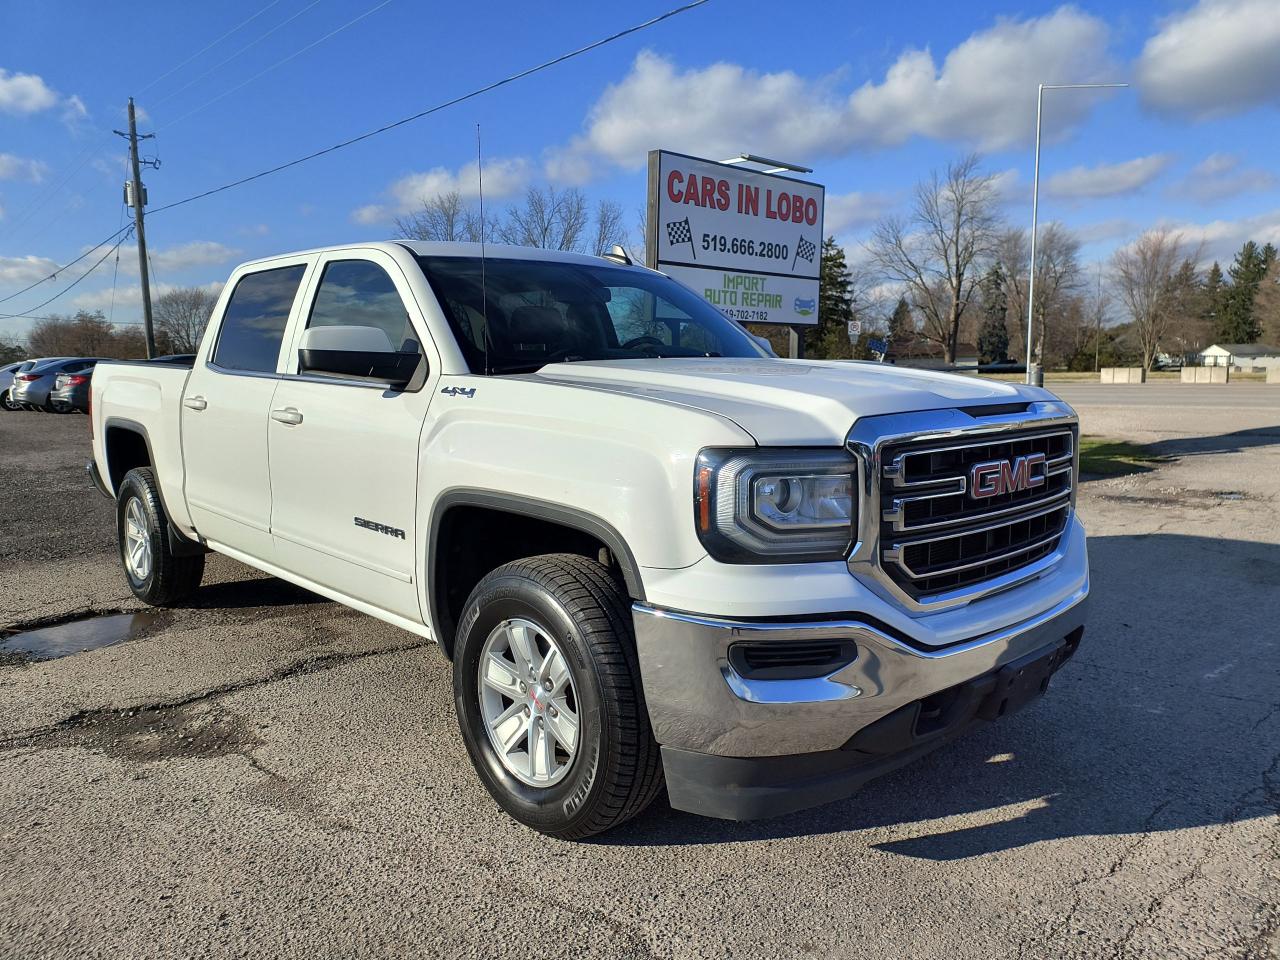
x=749, y=243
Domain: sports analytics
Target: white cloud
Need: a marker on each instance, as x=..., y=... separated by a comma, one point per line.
x=27, y=93
x=1220, y=175
x=24, y=93
x=1220, y=239
x=170, y=260
x=502, y=178
x=198, y=253
x=73, y=109
x=982, y=93
x=19, y=271
x=1216, y=58
x=128, y=298
x=1104, y=230
x=20, y=168
x=848, y=211
x=1108, y=179
x=1007, y=186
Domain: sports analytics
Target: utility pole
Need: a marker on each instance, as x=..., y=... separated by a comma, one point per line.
x=135, y=196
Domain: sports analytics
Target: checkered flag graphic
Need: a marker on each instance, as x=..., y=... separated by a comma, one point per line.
x=679, y=231
x=804, y=251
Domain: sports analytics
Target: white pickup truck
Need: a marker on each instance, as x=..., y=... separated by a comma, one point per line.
x=654, y=552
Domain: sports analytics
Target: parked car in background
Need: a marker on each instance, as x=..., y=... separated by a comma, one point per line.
x=9, y=377
x=6, y=381
x=33, y=387
x=71, y=391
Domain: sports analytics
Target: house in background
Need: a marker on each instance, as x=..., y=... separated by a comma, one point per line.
x=1243, y=357
x=929, y=355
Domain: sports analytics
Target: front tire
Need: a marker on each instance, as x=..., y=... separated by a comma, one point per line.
x=8, y=404
x=155, y=575
x=547, y=689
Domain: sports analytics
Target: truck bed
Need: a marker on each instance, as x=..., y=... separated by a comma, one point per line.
x=148, y=395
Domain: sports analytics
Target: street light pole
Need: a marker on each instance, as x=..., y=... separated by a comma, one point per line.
x=1035, y=200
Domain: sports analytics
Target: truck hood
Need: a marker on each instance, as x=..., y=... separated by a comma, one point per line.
x=786, y=402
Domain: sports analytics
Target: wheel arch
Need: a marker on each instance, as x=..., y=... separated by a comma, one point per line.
x=127, y=439
x=578, y=527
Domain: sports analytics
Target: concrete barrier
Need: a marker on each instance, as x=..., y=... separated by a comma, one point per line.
x=1273, y=374
x=1206, y=374
x=1124, y=375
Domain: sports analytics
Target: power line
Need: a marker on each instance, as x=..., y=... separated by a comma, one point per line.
x=222, y=63
x=72, y=263
x=530, y=71
x=205, y=49
x=73, y=283
x=281, y=62
x=440, y=106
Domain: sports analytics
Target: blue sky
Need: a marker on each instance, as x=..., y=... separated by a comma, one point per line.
x=872, y=96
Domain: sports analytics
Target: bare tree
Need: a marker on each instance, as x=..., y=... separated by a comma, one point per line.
x=609, y=231
x=84, y=335
x=1144, y=275
x=181, y=315
x=447, y=218
x=548, y=218
x=439, y=218
x=1058, y=279
x=937, y=251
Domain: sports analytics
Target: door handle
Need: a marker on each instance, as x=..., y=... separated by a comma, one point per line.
x=287, y=415
x=195, y=403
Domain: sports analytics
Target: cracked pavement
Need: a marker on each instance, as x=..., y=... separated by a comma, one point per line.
x=266, y=773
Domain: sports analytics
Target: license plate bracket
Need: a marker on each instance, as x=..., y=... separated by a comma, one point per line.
x=1020, y=682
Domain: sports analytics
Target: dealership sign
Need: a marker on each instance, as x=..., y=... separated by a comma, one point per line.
x=750, y=243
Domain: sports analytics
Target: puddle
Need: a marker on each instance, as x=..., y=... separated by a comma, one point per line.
x=77, y=636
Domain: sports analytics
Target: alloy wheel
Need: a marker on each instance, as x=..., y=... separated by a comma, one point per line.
x=137, y=541
x=528, y=702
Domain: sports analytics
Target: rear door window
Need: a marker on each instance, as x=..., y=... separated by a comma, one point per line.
x=255, y=318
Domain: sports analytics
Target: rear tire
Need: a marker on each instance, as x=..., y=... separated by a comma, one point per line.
x=7, y=404
x=578, y=613
x=155, y=575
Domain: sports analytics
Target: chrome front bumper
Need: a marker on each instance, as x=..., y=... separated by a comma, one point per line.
x=698, y=702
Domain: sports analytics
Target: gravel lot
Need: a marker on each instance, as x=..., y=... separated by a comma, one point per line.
x=266, y=773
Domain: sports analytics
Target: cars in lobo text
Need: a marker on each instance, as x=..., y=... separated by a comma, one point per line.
x=653, y=553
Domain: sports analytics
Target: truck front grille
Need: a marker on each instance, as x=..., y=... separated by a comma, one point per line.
x=946, y=527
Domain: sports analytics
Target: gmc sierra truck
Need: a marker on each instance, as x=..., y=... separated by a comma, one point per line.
x=654, y=552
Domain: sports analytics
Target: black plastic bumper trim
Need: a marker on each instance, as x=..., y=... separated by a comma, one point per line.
x=752, y=788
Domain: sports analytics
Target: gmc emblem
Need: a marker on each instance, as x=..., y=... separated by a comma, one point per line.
x=994, y=477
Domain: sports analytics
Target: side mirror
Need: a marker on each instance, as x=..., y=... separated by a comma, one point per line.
x=764, y=342
x=356, y=351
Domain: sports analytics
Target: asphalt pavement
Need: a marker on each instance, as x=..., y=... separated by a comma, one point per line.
x=265, y=773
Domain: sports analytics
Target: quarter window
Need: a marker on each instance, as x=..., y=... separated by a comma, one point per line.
x=360, y=293
x=255, y=318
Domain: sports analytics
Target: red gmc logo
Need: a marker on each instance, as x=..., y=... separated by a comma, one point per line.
x=994, y=477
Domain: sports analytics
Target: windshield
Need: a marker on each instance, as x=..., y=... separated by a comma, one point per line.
x=542, y=312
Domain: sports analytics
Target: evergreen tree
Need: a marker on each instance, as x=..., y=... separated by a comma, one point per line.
x=993, y=335
x=1237, y=323
x=1214, y=301
x=829, y=339
x=902, y=324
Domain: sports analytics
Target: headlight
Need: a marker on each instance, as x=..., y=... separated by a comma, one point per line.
x=775, y=506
